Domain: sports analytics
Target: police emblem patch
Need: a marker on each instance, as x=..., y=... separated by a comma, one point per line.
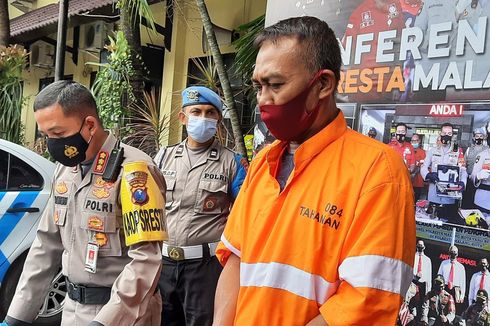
x=95, y=223
x=366, y=19
x=70, y=151
x=101, y=239
x=392, y=11
x=101, y=183
x=101, y=193
x=210, y=204
x=139, y=193
x=61, y=188
x=193, y=95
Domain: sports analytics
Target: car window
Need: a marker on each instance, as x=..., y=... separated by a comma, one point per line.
x=4, y=164
x=22, y=176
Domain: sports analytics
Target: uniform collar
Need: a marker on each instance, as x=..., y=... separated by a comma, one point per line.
x=213, y=152
x=311, y=147
x=100, y=160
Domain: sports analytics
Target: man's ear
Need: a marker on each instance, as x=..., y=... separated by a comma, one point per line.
x=328, y=84
x=93, y=124
x=182, y=117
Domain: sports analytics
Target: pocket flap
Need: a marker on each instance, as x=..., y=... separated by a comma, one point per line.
x=213, y=186
x=98, y=222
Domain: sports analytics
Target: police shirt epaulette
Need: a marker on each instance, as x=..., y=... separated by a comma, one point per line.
x=100, y=162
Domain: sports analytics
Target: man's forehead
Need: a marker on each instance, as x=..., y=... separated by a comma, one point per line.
x=447, y=128
x=202, y=107
x=279, y=57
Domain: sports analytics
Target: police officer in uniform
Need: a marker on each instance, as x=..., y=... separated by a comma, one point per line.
x=438, y=308
x=446, y=154
x=203, y=179
x=111, y=261
x=481, y=179
x=478, y=146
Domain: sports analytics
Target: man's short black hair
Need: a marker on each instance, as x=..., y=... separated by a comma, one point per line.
x=401, y=124
x=447, y=124
x=74, y=98
x=321, y=48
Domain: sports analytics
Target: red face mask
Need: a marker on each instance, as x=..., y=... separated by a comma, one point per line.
x=289, y=121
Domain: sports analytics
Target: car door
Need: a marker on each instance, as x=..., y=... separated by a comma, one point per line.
x=24, y=192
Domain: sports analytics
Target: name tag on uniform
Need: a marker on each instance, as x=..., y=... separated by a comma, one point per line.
x=91, y=258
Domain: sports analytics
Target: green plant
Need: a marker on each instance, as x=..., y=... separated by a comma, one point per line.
x=112, y=88
x=147, y=128
x=208, y=72
x=13, y=60
x=247, y=53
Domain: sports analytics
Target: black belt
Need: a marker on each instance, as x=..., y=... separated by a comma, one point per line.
x=484, y=187
x=88, y=295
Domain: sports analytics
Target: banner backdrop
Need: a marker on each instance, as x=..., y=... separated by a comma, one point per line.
x=404, y=50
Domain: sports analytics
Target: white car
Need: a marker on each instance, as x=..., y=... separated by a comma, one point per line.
x=25, y=186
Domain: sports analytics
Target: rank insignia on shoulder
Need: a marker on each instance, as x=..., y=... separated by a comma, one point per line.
x=213, y=153
x=101, y=162
x=61, y=188
x=180, y=150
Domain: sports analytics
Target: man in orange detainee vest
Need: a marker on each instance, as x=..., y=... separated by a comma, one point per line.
x=323, y=230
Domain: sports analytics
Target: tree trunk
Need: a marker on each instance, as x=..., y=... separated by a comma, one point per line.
x=4, y=23
x=131, y=29
x=223, y=77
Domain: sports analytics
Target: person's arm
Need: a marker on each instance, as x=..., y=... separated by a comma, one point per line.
x=227, y=293
x=473, y=289
x=424, y=169
x=239, y=174
x=376, y=262
x=136, y=284
x=41, y=265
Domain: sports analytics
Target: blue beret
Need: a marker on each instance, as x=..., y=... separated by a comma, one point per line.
x=196, y=95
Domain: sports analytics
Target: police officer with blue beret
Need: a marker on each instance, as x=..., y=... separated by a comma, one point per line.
x=203, y=178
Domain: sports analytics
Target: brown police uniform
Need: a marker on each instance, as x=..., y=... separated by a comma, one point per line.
x=199, y=198
x=87, y=212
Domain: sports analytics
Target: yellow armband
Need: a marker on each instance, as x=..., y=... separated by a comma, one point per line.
x=142, y=205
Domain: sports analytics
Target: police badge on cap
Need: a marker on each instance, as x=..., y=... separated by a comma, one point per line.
x=195, y=95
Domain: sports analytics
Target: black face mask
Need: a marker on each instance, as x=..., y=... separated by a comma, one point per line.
x=453, y=255
x=420, y=248
x=478, y=141
x=483, y=267
x=479, y=301
x=400, y=137
x=69, y=151
x=446, y=139
x=439, y=288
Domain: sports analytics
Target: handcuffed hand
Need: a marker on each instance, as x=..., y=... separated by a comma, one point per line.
x=483, y=174
x=432, y=177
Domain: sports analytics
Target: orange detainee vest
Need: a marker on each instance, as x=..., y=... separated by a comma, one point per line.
x=339, y=240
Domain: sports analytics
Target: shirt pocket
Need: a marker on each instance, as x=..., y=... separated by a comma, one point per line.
x=105, y=230
x=212, y=197
x=169, y=195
